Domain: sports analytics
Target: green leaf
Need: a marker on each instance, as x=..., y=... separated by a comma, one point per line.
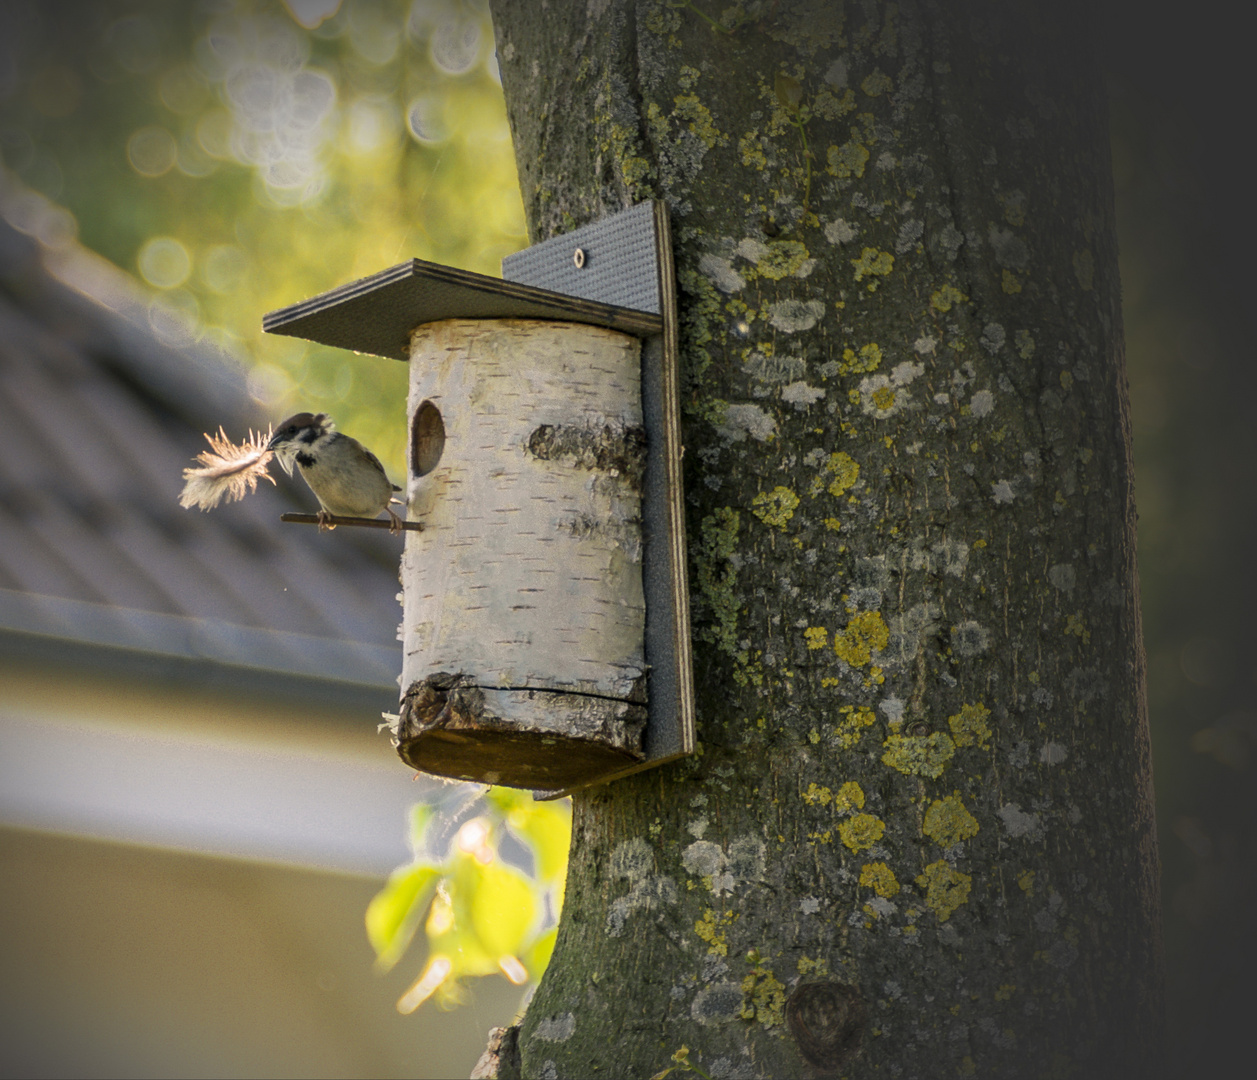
x=537, y=958
x=547, y=829
x=395, y=911
x=789, y=90
x=503, y=908
x=421, y=815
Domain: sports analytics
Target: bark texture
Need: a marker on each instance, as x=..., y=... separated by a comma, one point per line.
x=918, y=839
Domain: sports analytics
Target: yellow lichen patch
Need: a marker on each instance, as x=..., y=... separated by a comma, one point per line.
x=883, y=398
x=711, y=928
x=833, y=524
x=1005, y=991
x=1077, y=625
x=817, y=637
x=836, y=476
x=698, y=119
x=1024, y=343
x=850, y=797
x=776, y=507
x=781, y=259
x=829, y=107
x=848, y=159
x=857, y=719
x=945, y=889
x=865, y=634
x=877, y=84
x=943, y=299
x=969, y=726
x=818, y=796
x=947, y=822
x=846, y=472
x=868, y=359
x=752, y=150
x=880, y=878
x=763, y=995
x=920, y=755
x=1010, y=283
x=862, y=831
x=872, y=261
x=808, y=966
x=1025, y=882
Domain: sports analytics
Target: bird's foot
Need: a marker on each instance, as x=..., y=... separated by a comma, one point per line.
x=394, y=522
x=325, y=521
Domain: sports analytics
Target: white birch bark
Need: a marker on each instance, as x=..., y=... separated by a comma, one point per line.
x=528, y=572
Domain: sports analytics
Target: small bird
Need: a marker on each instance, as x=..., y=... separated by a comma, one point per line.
x=347, y=478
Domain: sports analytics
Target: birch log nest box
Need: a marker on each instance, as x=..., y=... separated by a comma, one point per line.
x=545, y=607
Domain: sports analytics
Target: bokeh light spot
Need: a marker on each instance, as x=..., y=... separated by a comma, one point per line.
x=224, y=268
x=269, y=385
x=372, y=124
x=455, y=45
x=152, y=151
x=213, y=133
x=164, y=262
x=312, y=13
x=425, y=117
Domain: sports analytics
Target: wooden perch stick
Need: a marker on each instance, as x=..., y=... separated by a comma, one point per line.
x=335, y=519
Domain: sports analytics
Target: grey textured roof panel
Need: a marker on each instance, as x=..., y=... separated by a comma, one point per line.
x=97, y=421
x=619, y=263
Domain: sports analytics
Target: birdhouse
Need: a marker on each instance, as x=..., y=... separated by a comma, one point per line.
x=545, y=609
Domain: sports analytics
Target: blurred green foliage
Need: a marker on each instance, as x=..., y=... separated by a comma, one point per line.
x=240, y=157
x=481, y=915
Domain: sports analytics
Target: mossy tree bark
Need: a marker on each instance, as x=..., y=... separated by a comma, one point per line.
x=918, y=839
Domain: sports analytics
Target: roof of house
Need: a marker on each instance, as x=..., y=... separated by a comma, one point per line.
x=98, y=418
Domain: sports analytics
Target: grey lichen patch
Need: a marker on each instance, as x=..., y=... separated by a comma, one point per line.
x=839, y=231
x=1019, y=824
x=981, y=404
x=1062, y=577
x=739, y=421
x=721, y=273
x=634, y=861
x=801, y=395
x=1009, y=249
x=718, y=1003
x=1002, y=492
x=970, y=638
x=792, y=316
x=556, y=1029
x=993, y=337
x=945, y=557
x=1053, y=753
x=724, y=870
x=775, y=368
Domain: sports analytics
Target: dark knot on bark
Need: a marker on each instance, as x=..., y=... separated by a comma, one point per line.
x=827, y=1021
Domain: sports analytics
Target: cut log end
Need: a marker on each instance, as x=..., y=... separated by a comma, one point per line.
x=535, y=739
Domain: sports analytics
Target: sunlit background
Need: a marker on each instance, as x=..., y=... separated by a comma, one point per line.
x=190, y=840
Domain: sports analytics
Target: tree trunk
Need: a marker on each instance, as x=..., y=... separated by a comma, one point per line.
x=918, y=838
